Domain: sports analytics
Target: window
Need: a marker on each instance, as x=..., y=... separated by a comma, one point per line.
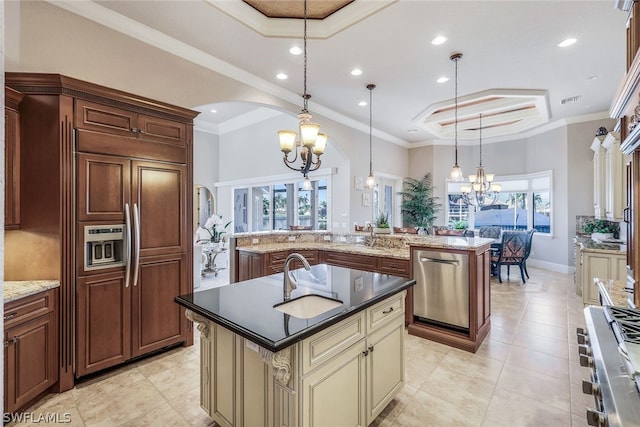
x=523, y=203
x=280, y=205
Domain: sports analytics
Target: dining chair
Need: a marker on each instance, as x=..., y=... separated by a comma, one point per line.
x=528, y=250
x=468, y=233
x=512, y=251
x=490, y=231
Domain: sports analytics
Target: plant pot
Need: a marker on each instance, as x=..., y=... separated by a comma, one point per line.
x=377, y=230
x=601, y=236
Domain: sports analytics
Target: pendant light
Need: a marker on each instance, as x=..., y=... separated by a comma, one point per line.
x=456, y=171
x=312, y=143
x=371, y=180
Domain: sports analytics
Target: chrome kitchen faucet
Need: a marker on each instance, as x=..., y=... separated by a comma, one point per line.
x=290, y=282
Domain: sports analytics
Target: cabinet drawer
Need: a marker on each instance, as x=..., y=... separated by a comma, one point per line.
x=104, y=118
x=27, y=308
x=323, y=346
x=341, y=259
x=397, y=267
x=385, y=311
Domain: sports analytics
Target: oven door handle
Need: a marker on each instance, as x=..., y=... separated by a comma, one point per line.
x=127, y=269
x=136, y=226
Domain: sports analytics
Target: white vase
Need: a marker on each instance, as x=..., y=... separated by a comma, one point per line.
x=377, y=230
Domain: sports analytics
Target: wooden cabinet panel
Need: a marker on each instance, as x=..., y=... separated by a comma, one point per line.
x=162, y=130
x=104, y=317
x=351, y=260
x=393, y=266
x=160, y=192
x=249, y=265
x=12, y=159
x=157, y=321
x=31, y=349
x=103, y=187
x=385, y=366
x=104, y=118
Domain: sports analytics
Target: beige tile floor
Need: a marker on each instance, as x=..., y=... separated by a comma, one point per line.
x=526, y=373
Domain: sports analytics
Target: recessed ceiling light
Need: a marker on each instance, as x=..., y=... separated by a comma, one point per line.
x=443, y=79
x=412, y=130
x=567, y=42
x=214, y=111
x=363, y=103
x=295, y=50
x=281, y=76
x=438, y=40
x=591, y=78
x=356, y=72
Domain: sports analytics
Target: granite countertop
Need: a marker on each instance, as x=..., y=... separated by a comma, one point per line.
x=246, y=308
x=14, y=290
x=587, y=244
x=444, y=242
x=612, y=292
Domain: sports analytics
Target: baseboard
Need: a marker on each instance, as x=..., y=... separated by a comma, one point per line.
x=558, y=268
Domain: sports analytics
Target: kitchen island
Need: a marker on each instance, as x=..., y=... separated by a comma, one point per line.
x=263, y=367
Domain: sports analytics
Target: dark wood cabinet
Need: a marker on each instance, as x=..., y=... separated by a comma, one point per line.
x=249, y=265
x=91, y=154
x=30, y=348
x=12, y=158
x=349, y=260
x=394, y=266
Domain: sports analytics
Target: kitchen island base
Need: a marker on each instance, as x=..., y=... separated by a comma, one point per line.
x=343, y=375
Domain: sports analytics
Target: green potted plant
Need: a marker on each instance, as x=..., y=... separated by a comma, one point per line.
x=459, y=225
x=601, y=229
x=419, y=206
x=382, y=224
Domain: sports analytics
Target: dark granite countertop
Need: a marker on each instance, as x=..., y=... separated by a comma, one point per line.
x=246, y=308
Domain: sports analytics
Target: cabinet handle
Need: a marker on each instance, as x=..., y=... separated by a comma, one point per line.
x=370, y=349
x=10, y=315
x=365, y=353
x=134, y=130
x=14, y=340
x=140, y=130
x=6, y=344
x=388, y=310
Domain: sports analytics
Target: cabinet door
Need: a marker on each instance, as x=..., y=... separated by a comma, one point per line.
x=596, y=265
x=160, y=192
x=338, y=385
x=104, y=118
x=11, y=169
x=103, y=337
x=103, y=187
x=157, y=321
x=385, y=367
x=249, y=265
x=30, y=352
x=162, y=130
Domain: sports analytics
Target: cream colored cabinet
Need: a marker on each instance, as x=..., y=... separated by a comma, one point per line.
x=615, y=177
x=601, y=265
x=577, y=253
x=344, y=375
x=599, y=172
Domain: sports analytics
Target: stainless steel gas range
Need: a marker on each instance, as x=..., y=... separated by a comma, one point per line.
x=611, y=347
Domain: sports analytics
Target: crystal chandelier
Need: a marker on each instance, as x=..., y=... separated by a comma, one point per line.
x=482, y=191
x=312, y=142
x=371, y=180
x=456, y=171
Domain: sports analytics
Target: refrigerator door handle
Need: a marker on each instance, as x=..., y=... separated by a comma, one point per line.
x=127, y=270
x=136, y=226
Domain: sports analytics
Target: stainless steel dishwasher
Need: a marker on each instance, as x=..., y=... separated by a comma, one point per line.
x=441, y=294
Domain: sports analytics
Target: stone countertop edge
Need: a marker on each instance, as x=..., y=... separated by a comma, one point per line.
x=587, y=244
x=17, y=289
x=296, y=337
x=614, y=289
x=442, y=242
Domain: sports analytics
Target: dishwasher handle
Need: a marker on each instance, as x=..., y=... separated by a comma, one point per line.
x=440, y=261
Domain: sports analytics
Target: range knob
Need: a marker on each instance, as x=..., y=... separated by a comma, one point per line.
x=586, y=361
x=591, y=388
x=583, y=336
x=596, y=418
x=584, y=350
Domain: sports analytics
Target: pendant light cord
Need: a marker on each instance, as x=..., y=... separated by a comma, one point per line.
x=370, y=87
x=456, y=110
x=305, y=96
x=480, y=139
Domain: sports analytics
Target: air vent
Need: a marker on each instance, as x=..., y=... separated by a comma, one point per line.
x=571, y=99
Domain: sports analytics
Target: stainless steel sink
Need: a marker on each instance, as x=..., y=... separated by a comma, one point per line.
x=307, y=306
